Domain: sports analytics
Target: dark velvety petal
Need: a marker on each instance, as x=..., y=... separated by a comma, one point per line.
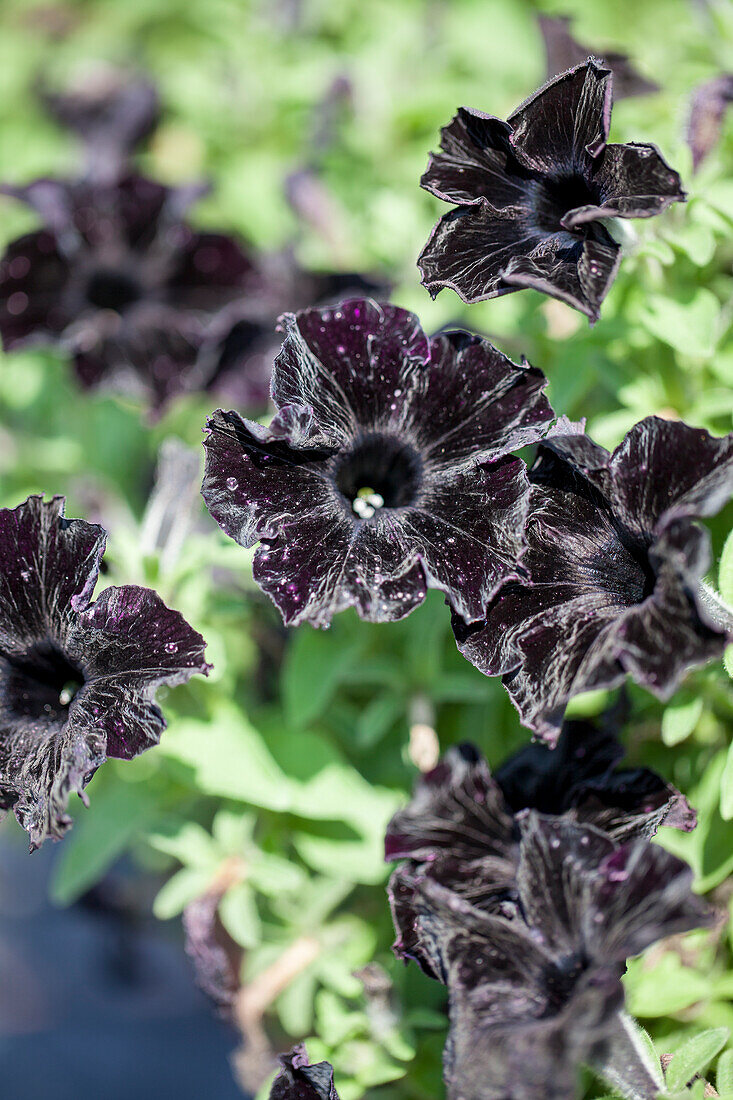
x=578, y=271
x=416, y=939
x=236, y=359
x=543, y=779
x=513, y=1032
x=578, y=778
x=33, y=277
x=642, y=895
x=127, y=211
x=130, y=644
x=665, y=470
x=582, y=577
x=466, y=948
x=352, y=365
x=297, y=1080
x=469, y=553
x=256, y=484
x=48, y=570
x=554, y=878
x=211, y=269
x=477, y=163
x=42, y=763
x=470, y=249
x=326, y=563
x=215, y=956
x=564, y=126
x=666, y=635
x=634, y=181
x=581, y=452
x=456, y=809
x=563, y=51
x=634, y=802
x=618, y=611
x=369, y=409
x=535, y=1058
x=707, y=112
x=477, y=403
x=77, y=680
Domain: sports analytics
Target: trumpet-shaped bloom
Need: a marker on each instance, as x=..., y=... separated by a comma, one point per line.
x=385, y=470
x=462, y=823
x=77, y=678
x=535, y=988
x=615, y=564
x=531, y=195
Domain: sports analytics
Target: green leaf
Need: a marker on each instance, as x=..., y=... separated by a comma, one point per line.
x=725, y=571
x=239, y=915
x=679, y=720
x=314, y=666
x=663, y=989
x=179, y=890
x=233, y=831
x=724, y=1073
x=118, y=812
x=689, y=327
x=695, y=1056
x=728, y=660
x=726, y=787
x=274, y=875
x=295, y=1004
x=190, y=844
x=696, y=241
x=377, y=717
x=228, y=758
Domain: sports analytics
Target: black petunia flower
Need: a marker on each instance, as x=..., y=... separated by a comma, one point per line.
x=462, y=821
x=77, y=679
x=532, y=194
x=707, y=112
x=615, y=563
x=535, y=989
x=119, y=280
x=563, y=51
x=386, y=469
x=111, y=113
x=297, y=1080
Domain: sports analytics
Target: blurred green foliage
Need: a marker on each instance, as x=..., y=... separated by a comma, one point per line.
x=294, y=753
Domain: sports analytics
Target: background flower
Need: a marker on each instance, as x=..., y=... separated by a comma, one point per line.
x=563, y=52
x=118, y=279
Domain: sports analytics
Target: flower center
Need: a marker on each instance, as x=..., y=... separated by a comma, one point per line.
x=553, y=198
x=40, y=684
x=381, y=472
x=112, y=289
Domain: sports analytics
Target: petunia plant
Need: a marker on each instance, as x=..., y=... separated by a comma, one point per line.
x=515, y=526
